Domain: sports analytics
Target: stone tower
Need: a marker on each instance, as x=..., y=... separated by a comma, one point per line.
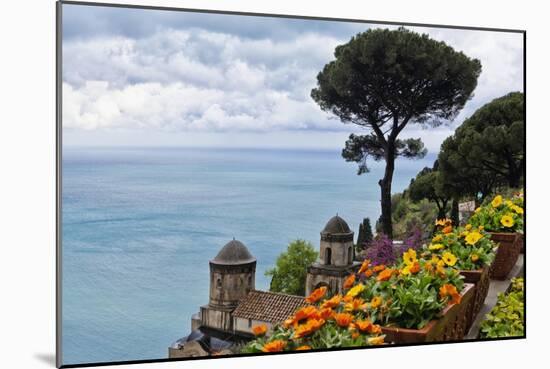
x=336, y=256
x=232, y=277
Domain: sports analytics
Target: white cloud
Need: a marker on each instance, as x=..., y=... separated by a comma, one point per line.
x=200, y=81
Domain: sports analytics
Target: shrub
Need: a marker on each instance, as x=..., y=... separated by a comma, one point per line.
x=506, y=319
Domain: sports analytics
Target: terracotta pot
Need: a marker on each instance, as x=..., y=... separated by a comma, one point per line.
x=451, y=326
x=507, y=254
x=481, y=280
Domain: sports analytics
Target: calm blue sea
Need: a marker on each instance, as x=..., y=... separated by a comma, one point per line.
x=140, y=224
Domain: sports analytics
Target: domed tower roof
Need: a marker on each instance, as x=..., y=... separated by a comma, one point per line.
x=337, y=229
x=233, y=253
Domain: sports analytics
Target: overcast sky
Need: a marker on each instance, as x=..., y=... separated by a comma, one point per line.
x=144, y=77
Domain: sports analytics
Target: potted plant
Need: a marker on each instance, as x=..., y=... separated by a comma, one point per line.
x=414, y=300
x=503, y=219
x=470, y=251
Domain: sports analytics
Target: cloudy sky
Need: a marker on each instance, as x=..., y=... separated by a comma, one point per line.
x=144, y=77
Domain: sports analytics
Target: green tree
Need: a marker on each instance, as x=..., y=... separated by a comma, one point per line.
x=464, y=179
x=429, y=185
x=290, y=271
x=385, y=79
x=364, y=235
x=491, y=141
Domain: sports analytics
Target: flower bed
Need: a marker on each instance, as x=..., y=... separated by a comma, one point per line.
x=503, y=218
x=468, y=249
x=415, y=296
x=506, y=319
x=326, y=323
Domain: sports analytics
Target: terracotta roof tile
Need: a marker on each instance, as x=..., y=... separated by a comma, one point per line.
x=268, y=306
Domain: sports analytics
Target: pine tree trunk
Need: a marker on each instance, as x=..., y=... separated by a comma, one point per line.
x=385, y=190
x=454, y=212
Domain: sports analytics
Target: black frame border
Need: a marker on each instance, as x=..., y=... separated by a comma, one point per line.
x=59, y=162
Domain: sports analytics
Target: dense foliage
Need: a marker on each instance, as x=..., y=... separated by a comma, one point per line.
x=500, y=215
x=385, y=79
x=429, y=184
x=506, y=319
x=408, y=214
x=487, y=150
x=290, y=271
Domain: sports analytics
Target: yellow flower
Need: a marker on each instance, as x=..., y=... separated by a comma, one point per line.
x=474, y=257
x=481, y=228
x=437, y=246
x=437, y=238
x=406, y=270
x=507, y=221
x=497, y=201
x=468, y=227
x=449, y=258
x=509, y=203
x=409, y=257
x=376, y=302
x=478, y=209
x=378, y=340
x=517, y=209
x=356, y=290
x=473, y=237
x=435, y=259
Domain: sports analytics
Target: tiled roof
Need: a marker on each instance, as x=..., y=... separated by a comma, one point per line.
x=268, y=306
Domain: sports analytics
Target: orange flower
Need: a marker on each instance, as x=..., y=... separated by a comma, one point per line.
x=364, y=326
x=375, y=329
x=364, y=266
x=324, y=313
x=303, y=313
x=354, y=335
x=447, y=229
x=376, y=302
x=349, y=281
x=343, y=319
x=448, y=290
x=415, y=267
x=379, y=268
x=303, y=348
x=355, y=304
x=308, y=328
x=274, y=346
x=332, y=302
x=384, y=275
x=316, y=295
x=259, y=330
x=368, y=273
x=429, y=267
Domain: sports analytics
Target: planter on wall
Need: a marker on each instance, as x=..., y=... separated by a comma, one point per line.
x=480, y=279
x=507, y=254
x=450, y=326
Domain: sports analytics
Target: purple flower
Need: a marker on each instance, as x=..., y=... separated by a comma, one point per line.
x=380, y=251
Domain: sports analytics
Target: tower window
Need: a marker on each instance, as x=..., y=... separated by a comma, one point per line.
x=218, y=283
x=350, y=255
x=328, y=256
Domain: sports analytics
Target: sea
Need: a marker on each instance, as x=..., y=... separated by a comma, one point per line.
x=139, y=226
